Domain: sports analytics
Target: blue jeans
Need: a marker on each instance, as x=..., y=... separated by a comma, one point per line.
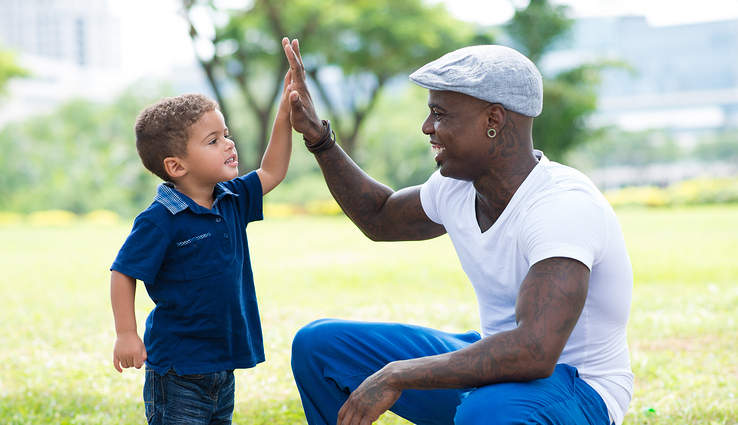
x=189, y=399
x=331, y=358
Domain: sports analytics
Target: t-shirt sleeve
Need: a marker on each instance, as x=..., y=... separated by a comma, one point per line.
x=142, y=253
x=250, y=196
x=569, y=225
x=429, y=197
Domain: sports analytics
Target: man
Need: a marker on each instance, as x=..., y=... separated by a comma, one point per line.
x=539, y=243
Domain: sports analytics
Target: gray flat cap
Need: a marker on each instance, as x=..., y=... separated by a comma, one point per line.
x=496, y=74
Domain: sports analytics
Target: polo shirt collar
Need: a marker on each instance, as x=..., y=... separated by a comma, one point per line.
x=176, y=202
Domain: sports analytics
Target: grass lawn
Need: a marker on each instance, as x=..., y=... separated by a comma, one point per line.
x=56, y=328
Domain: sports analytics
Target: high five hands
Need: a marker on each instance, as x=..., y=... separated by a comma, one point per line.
x=304, y=119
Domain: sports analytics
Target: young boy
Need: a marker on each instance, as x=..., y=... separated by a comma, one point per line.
x=189, y=248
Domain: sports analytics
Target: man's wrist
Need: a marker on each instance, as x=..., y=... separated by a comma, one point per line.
x=392, y=376
x=325, y=141
x=311, y=137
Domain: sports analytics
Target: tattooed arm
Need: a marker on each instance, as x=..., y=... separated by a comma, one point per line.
x=377, y=210
x=381, y=213
x=550, y=300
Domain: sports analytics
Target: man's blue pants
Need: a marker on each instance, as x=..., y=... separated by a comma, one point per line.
x=330, y=358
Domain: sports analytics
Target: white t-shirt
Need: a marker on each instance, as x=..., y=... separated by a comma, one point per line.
x=556, y=212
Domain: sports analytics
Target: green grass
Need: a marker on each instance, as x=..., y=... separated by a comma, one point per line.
x=56, y=330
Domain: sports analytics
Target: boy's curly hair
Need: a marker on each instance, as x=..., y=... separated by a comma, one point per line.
x=162, y=129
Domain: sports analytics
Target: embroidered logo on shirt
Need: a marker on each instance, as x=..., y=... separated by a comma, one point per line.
x=195, y=239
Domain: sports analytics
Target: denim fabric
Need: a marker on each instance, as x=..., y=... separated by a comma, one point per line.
x=189, y=399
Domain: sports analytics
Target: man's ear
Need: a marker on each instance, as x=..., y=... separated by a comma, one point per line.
x=496, y=116
x=174, y=167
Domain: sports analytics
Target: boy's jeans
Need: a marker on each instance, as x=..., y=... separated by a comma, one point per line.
x=189, y=399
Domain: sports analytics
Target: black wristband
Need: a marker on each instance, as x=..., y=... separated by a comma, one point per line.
x=325, y=142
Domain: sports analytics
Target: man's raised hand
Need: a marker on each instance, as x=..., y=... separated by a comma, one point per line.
x=304, y=119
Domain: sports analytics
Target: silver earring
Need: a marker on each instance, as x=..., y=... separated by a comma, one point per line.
x=491, y=133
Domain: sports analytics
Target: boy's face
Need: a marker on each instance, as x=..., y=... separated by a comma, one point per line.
x=211, y=155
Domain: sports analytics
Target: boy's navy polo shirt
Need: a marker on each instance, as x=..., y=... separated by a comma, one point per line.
x=196, y=268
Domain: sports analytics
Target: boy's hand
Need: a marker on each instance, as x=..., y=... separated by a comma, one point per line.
x=284, y=102
x=129, y=351
x=304, y=118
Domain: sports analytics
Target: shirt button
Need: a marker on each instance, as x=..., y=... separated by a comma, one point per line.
x=217, y=220
x=225, y=235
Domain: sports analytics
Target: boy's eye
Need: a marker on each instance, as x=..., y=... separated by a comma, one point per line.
x=212, y=142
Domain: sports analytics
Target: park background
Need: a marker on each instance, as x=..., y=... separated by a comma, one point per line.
x=641, y=96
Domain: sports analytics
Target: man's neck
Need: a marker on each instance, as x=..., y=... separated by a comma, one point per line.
x=495, y=190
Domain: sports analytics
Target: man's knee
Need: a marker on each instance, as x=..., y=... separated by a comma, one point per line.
x=313, y=340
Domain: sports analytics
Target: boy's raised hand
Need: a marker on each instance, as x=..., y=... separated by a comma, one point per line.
x=304, y=119
x=129, y=351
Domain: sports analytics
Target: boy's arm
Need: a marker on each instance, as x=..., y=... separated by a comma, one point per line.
x=129, y=350
x=276, y=158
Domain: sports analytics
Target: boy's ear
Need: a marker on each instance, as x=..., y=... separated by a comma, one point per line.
x=174, y=167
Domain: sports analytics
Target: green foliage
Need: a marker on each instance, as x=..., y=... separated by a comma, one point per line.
x=689, y=192
x=351, y=49
x=57, y=333
x=9, y=68
x=722, y=146
x=567, y=100
x=569, y=97
x=79, y=158
x=612, y=146
x=539, y=26
x=396, y=151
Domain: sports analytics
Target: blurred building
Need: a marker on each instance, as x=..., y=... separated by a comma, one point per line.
x=682, y=77
x=71, y=48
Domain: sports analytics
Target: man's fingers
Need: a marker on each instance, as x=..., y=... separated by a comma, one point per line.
x=296, y=48
x=293, y=57
x=295, y=99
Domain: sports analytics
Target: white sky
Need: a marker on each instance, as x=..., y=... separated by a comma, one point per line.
x=155, y=37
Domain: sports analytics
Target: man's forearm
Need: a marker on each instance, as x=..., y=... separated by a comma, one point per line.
x=504, y=357
x=381, y=213
x=358, y=195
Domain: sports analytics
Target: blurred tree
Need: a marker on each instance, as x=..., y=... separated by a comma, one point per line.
x=613, y=147
x=351, y=49
x=722, y=146
x=79, y=158
x=9, y=68
x=396, y=152
x=569, y=97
